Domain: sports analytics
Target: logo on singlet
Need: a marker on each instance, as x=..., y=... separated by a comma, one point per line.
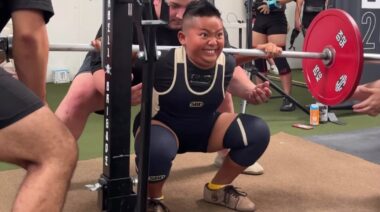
x=196, y=104
x=156, y=178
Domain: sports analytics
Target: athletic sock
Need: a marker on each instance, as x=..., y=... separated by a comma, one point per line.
x=157, y=198
x=213, y=186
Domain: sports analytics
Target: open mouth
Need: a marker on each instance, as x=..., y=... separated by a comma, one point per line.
x=211, y=51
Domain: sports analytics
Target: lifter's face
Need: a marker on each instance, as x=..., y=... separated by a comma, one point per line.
x=176, y=10
x=203, y=38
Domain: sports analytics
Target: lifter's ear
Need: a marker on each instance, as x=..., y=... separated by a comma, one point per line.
x=182, y=37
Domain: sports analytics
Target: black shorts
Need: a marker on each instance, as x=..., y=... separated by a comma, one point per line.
x=193, y=134
x=17, y=101
x=9, y=6
x=307, y=18
x=191, y=139
x=96, y=61
x=86, y=65
x=272, y=23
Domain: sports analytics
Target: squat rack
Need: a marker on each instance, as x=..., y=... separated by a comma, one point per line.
x=119, y=17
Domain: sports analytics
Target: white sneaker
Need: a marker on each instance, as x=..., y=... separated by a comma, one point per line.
x=274, y=70
x=230, y=197
x=255, y=169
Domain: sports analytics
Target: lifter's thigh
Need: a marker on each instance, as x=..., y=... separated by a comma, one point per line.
x=221, y=125
x=38, y=137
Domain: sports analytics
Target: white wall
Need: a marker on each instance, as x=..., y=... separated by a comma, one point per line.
x=233, y=10
x=77, y=21
x=74, y=22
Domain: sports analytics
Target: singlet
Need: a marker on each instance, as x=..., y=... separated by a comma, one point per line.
x=183, y=90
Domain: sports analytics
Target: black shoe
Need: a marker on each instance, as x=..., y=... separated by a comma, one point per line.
x=287, y=105
x=156, y=206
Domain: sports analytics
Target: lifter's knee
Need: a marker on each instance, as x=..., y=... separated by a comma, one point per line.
x=247, y=137
x=163, y=149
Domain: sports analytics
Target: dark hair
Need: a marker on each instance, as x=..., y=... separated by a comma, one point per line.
x=201, y=8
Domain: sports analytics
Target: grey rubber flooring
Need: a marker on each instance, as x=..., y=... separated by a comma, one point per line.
x=362, y=143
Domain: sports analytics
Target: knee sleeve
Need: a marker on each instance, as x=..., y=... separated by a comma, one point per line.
x=261, y=65
x=248, y=136
x=163, y=149
x=282, y=64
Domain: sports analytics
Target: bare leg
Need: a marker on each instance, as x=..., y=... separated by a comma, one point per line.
x=216, y=192
x=49, y=154
x=229, y=170
x=80, y=101
x=286, y=82
x=228, y=106
x=155, y=189
x=280, y=40
x=258, y=38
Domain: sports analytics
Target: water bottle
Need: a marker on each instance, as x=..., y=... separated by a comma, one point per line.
x=314, y=114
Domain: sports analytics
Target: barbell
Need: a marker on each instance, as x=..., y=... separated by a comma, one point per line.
x=332, y=55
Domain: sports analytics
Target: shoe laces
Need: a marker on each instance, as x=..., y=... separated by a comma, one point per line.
x=156, y=204
x=287, y=101
x=232, y=191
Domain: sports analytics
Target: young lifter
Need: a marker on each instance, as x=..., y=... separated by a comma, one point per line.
x=190, y=83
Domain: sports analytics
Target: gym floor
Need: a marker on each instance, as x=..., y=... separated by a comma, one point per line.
x=362, y=125
x=299, y=175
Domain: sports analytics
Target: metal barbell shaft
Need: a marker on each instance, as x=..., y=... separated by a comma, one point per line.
x=71, y=47
x=325, y=55
x=368, y=57
x=243, y=52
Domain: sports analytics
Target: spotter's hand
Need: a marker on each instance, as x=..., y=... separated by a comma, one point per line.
x=370, y=105
x=136, y=93
x=97, y=43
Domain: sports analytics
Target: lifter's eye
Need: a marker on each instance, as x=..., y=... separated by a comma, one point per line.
x=203, y=35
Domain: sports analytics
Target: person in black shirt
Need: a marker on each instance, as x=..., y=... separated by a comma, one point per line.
x=31, y=136
x=310, y=8
x=86, y=93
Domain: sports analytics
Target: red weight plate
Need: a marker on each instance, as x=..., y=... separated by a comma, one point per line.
x=336, y=82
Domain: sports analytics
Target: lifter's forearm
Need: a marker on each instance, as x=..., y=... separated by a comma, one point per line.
x=30, y=50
